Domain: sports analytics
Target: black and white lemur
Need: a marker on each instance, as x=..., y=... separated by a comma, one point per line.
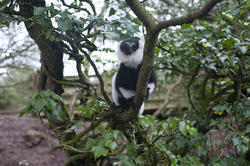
x=130, y=53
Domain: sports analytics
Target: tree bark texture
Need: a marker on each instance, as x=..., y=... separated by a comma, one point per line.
x=51, y=51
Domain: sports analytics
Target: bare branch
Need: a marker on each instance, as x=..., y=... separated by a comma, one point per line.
x=190, y=17
x=16, y=53
x=141, y=13
x=64, y=82
x=98, y=76
x=72, y=103
x=164, y=105
x=189, y=86
x=13, y=85
x=75, y=7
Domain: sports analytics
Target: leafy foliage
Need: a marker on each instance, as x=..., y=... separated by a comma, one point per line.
x=212, y=54
x=47, y=102
x=214, y=58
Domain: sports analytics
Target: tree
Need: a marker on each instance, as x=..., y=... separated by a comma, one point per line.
x=17, y=56
x=215, y=68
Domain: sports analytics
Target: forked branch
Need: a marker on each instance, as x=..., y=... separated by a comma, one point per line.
x=153, y=30
x=190, y=17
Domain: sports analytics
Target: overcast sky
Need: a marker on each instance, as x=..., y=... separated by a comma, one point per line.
x=69, y=65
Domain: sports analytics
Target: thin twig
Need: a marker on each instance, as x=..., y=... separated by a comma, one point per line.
x=64, y=82
x=190, y=17
x=98, y=76
x=75, y=7
x=104, y=117
x=47, y=130
x=189, y=87
x=171, y=87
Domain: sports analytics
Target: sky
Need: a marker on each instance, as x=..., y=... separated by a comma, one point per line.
x=69, y=65
x=68, y=69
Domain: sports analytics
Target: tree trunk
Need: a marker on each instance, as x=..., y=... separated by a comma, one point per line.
x=51, y=51
x=52, y=63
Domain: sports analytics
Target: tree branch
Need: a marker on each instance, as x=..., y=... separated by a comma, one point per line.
x=141, y=13
x=98, y=76
x=75, y=7
x=189, y=87
x=164, y=105
x=64, y=82
x=190, y=17
x=153, y=31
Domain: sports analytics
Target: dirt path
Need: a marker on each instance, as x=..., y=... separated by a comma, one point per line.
x=23, y=141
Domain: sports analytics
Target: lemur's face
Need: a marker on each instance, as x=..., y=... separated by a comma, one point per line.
x=129, y=46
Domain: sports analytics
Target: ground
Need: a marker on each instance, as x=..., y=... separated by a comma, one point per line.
x=23, y=141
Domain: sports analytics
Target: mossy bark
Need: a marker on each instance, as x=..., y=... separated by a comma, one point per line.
x=51, y=51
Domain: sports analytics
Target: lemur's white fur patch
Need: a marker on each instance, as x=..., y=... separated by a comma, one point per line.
x=114, y=91
x=126, y=93
x=132, y=60
x=151, y=87
x=141, y=109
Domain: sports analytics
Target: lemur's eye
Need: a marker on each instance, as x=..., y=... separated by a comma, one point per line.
x=134, y=46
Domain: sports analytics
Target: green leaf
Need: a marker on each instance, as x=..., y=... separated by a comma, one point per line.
x=147, y=121
x=185, y=26
x=242, y=148
x=127, y=163
x=184, y=160
x=39, y=10
x=63, y=24
x=46, y=101
x=58, y=113
x=39, y=104
x=236, y=141
x=228, y=16
x=53, y=11
x=183, y=127
x=90, y=143
x=72, y=128
x=99, y=151
x=212, y=66
x=201, y=151
x=21, y=18
x=136, y=21
x=4, y=3
x=247, y=130
x=24, y=111
x=219, y=109
x=112, y=35
x=51, y=104
x=180, y=142
x=131, y=148
x=163, y=127
x=5, y=19
x=57, y=97
x=193, y=131
x=111, y=12
x=100, y=127
x=199, y=27
x=107, y=134
x=110, y=144
x=117, y=133
x=243, y=49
